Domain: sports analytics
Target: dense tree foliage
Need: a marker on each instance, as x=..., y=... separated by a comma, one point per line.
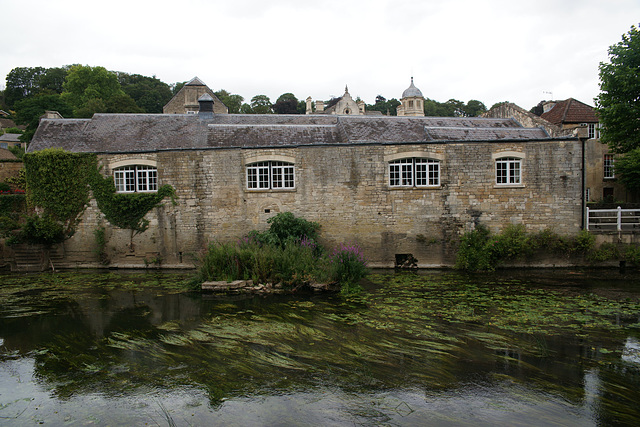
x=24, y=82
x=618, y=106
x=286, y=103
x=92, y=90
x=385, y=107
x=232, y=101
x=618, y=103
x=148, y=93
x=261, y=104
x=29, y=110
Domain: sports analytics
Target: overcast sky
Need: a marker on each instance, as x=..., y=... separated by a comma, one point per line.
x=492, y=51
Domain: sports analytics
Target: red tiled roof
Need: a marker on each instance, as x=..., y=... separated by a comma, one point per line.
x=570, y=111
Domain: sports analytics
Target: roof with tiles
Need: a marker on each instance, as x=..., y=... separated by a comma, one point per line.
x=6, y=154
x=10, y=137
x=570, y=111
x=112, y=133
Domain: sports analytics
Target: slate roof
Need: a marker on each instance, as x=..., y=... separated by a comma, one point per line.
x=111, y=133
x=570, y=111
x=10, y=137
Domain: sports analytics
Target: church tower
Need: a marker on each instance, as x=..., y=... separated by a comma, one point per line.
x=412, y=102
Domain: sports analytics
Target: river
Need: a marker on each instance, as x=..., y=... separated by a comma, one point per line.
x=438, y=348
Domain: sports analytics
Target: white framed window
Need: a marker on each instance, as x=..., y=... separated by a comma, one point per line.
x=270, y=175
x=608, y=161
x=593, y=130
x=135, y=178
x=508, y=171
x=414, y=172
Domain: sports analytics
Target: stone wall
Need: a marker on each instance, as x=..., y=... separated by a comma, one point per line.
x=9, y=169
x=345, y=189
x=596, y=183
x=506, y=110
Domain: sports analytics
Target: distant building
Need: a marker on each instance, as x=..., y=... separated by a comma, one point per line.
x=8, y=140
x=345, y=105
x=186, y=100
x=412, y=102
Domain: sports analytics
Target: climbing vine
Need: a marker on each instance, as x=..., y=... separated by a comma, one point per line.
x=58, y=188
x=126, y=210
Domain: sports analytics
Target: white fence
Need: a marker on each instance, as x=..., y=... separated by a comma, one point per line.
x=613, y=219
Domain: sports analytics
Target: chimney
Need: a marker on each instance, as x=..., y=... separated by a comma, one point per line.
x=309, y=106
x=319, y=106
x=206, y=106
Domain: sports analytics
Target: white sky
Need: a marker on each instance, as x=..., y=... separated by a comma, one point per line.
x=492, y=51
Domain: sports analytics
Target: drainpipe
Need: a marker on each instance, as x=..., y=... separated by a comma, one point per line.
x=583, y=141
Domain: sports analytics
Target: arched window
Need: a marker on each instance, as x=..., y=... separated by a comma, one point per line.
x=135, y=178
x=414, y=172
x=270, y=175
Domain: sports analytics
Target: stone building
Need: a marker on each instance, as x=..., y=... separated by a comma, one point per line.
x=345, y=105
x=186, y=100
x=572, y=117
x=393, y=185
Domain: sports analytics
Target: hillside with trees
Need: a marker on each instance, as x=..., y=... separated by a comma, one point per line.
x=79, y=91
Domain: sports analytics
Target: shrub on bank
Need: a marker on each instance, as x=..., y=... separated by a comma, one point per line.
x=479, y=250
x=287, y=254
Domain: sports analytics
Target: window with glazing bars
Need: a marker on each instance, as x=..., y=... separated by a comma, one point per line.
x=508, y=170
x=135, y=178
x=414, y=172
x=270, y=175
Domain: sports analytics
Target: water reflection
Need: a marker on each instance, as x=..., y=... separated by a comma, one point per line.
x=436, y=349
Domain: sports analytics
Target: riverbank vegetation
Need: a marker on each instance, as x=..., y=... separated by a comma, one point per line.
x=480, y=250
x=287, y=254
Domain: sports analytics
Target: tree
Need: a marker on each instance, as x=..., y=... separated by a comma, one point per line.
x=385, y=107
x=246, y=109
x=474, y=108
x=86, y=86
x=287, y=103
x=232, y=101
x=261, y=104
x=618, y=104
x=29, y=111
x=175, y=87
x=628, y=169
x=149, y=93
x=434, y=108
x=53, y=80
x=22, y=82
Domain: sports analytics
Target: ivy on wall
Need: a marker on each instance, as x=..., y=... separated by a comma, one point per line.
x=58, y=187
x=127, y=210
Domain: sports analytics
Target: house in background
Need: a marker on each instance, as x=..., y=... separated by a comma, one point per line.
x=345, y=105
x=572, y=117
x=9, y=140
x=186, y=100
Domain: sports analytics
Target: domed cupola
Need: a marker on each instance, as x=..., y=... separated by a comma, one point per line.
x=412, y=102
x=412, y=91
